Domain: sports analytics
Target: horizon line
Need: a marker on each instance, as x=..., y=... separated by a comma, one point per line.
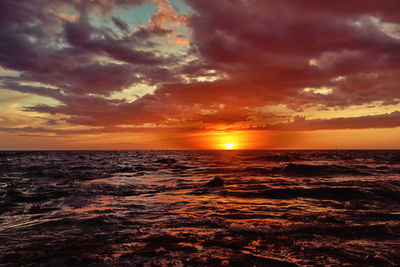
x=232, y=150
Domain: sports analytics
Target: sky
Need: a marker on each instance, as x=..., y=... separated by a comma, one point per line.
x=199, y=74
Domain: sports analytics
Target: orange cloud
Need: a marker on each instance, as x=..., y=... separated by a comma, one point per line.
x=181, y=41
x=67, y=16
x=166, y=14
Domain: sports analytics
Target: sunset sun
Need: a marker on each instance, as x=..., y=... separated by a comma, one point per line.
x=229, y=146
x=228, y=140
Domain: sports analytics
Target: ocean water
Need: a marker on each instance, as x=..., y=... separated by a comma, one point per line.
x=200, y=208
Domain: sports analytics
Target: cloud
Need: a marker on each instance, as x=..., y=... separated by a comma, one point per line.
x=269, y=45
x=181, y=41
x=122, y=25
x=221, y=63
x=66, y=132
x=81, y=34
x=166, y=14
x=388, y=120
x=67, y=16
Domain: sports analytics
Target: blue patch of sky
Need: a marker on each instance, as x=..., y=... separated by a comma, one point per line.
x=136, y=15
x=181, y=7
x=70, y=11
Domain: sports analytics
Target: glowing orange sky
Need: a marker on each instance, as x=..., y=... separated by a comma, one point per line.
x=188, y=74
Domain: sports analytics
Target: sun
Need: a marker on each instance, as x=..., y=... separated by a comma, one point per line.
x=229, y=146
x=220, y=140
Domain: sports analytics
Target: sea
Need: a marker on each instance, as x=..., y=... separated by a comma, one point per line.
x=200, y=208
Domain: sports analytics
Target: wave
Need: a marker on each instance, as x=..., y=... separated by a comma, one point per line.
x=301, y=170
x=334, y=193
x=275, y=158
x=340, y=230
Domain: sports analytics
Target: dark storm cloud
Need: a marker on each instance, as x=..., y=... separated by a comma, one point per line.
x=81, y=34
x=249, y=53
x=65, y=53
x=266, y=46
x=36, y=90
x=93, y=78
x=98, y=111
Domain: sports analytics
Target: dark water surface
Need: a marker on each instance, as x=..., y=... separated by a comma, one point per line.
x=200, y=208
